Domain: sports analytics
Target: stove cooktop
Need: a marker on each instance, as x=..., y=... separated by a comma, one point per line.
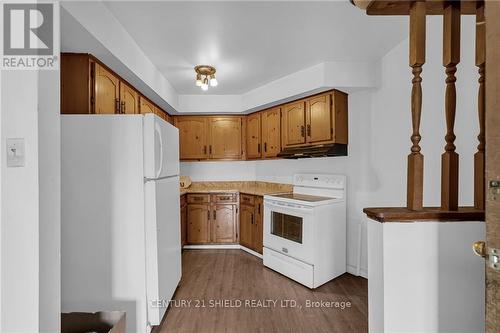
x=301, y=197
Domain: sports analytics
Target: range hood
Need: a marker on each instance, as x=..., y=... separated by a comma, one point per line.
x=332, y=149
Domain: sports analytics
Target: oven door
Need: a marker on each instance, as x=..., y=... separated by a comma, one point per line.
x=288, y=229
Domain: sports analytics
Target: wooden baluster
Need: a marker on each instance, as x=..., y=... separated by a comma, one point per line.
x=480, y=63
x=415, y=177
x=451, y=57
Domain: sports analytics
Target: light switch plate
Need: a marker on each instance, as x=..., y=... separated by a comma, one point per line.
x=15, y=152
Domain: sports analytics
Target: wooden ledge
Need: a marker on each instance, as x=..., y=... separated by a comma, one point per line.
x=427, y=214
x=402, y=7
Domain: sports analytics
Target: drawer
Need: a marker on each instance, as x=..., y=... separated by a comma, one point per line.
x=198, y=198
x=246, y=199
x=294, y=269
x=224, y=197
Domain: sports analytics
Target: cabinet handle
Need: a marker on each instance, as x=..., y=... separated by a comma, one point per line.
x=251, y=221
x=258, y=147
x=208, y=215
x=210, y=149
x=205, y=150
x=302, y=131
x=215, y=214
x=123, y=107
x=265, y=147
x=258, y=208
x=117, y=105
x=309, y=130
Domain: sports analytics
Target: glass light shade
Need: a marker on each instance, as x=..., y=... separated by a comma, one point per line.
x=204, y=85
x=213, y=81
x=198, y=80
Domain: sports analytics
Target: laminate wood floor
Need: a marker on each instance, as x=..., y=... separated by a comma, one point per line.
x=212, y=277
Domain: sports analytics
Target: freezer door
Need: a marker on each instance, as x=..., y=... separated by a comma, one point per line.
x=161, y=147
x=163, y=244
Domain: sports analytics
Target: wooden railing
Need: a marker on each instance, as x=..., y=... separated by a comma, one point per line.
x=451, y=12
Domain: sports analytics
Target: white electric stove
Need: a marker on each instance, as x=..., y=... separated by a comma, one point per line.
x=305, y=231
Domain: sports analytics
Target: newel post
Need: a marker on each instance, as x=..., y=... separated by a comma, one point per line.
x=415, y=177
x=479, y=187
x=451, y=57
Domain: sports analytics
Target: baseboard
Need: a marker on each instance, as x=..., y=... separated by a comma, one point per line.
x=363, y=272
x=222, y=247
x=213, y=247
x=252, y=252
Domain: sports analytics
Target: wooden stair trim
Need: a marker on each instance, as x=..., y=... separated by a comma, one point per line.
x=427, y=214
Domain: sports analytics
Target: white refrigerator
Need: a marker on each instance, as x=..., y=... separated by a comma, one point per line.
x=120, y=234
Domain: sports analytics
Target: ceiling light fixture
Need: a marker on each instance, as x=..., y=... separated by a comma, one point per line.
x=205, y=76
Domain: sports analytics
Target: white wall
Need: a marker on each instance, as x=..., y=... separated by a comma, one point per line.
x=19, y=206
x=49, y=164
x=424, y=277
x=379, y=137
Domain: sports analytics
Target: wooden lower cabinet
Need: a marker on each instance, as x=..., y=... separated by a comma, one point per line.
x=212, y=219
x=251, y=222
x=224, y=223
x=198, y=223
x=246, y=225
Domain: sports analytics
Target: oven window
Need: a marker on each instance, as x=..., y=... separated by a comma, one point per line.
x=286, y=226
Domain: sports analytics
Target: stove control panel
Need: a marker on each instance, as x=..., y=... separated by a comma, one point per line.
x=320, y=180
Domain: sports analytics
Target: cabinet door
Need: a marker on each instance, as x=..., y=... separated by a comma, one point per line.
x=193, y=137
x=198, y=224
x=224, y=224
x=76, y=83
x=271, y=132
x=225, y=138
x=293, y=124
x=129, y=99
x=319, y=128
x=253, y=136
x=107, y=91
x=258, y=229
x=246, y=225
x=146, y=106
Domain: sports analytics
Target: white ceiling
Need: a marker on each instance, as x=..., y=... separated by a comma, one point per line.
x=252, y=43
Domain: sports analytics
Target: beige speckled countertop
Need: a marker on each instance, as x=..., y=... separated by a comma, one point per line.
x=246, y=187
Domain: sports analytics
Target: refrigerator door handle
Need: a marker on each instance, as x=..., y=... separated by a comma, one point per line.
x=158, y=132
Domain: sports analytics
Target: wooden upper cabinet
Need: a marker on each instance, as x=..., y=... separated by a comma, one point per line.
x=198, y=223
x=107, y=91
x=271, y=132
x=129, y=99
x=225, y=138
x=76, y=84
x=340, y=118
x=223, y=224
x=253, y=135
x=193, y=137
x=145, y=106
x=293, y=124
x=319, y=119
x=316, y=120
